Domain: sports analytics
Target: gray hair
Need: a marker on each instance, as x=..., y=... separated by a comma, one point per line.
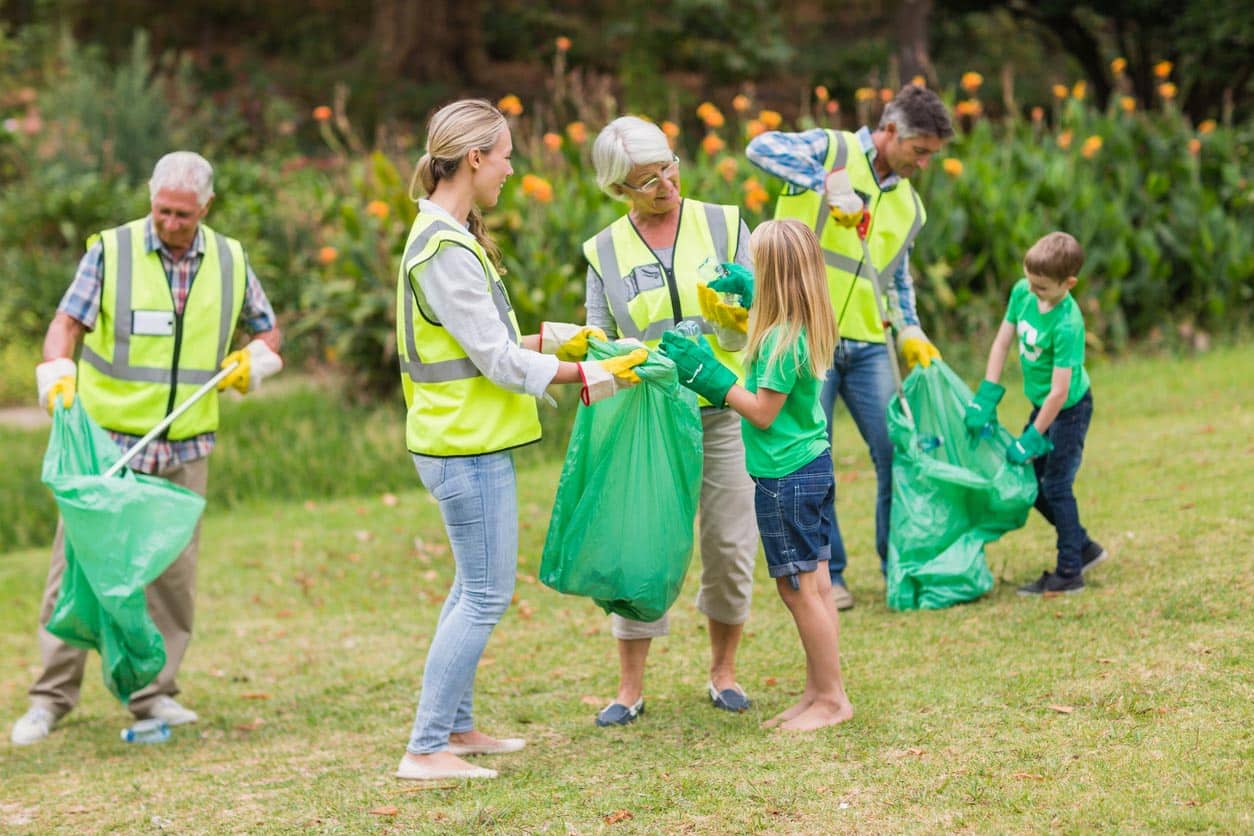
x=917, y=111
x=622, y=145
x=184, y=171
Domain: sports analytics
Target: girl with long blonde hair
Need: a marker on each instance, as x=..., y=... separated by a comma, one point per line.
x=792, y=336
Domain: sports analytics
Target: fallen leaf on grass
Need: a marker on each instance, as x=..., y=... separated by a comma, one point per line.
x=770, y=682
x=1105, y=661
x=617, y=816
x=1061, y=709
x=1028, y=776
x=252, y=725
x=385, y=811
x=1192, y=802
x=255, y=695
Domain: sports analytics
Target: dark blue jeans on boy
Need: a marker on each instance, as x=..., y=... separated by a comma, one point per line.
x=1055, y=475
x=795, y=518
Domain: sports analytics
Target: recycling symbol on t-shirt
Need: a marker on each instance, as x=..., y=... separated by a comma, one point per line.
x=1027, y=342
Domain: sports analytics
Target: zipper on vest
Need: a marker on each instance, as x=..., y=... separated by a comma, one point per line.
x=671, y=284
x=174, y=368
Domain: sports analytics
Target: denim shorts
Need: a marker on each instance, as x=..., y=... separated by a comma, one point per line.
x=795, y=517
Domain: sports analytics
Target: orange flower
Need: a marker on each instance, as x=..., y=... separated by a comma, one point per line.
x=710, y=115
x=1060, y=91
x=1064, y=140
x=1118, y=66
x=971, y=82
x=886, y=95
x=771, y=119
x=741, y=103
x=756, y=200
x=378, y=208
x=577, y=133
x=1090, y=147
x=1162, y=69
x=1127, y=103
x=1167, y=90
x=750, y=184
x=919, y=81
x=832, y=107
x=712, y=144
x=563, y=43
x=553, y=141
x=1207, y=127
x=1079, y=90
x=1195, y=146
x=510, y=105
x=952, y=166
x=864, y=94
x=727, y=168
x=537, y=187
x=753, y=128
x=1038, y=113
x=969, y=107
x=671, y=130
x=327, y=255
x=322, y=113
x=821, y=93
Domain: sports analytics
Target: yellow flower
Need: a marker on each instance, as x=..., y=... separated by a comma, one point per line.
x=1162, y=69
x=1090, y=147
x=712, y=144
x=727, y=168
x=1064, y=140
x=952, y=166
x=821, y=93
x=322, y=113
x=864, y=94
x=1167, y=90
x=1060, y=91
x=563, y=43
x=553, y=141
x=753, y=128
x=710, y=115
x=510, y=105
x=327, y=255
x=1127, y=103
x=1038, y=113
x=1195, y=146
x=771, y=119
x=919, y=81
x=886, y=95
x=1118, y=66
x=378, y=208
x=971, y=82
x=537, y=187
x=741, y=103
x=577, y=133
x=1079, y=90
x=1207, y=127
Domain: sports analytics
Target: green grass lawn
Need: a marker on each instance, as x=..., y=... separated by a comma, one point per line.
x=1124, y=708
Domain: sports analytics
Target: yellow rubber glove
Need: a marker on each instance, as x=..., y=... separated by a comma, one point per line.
x=845, y=203
x=239, y=377
x=605, y=378
x=719, y=313
x=623, y=366
x=56, y=378
x=917, y=348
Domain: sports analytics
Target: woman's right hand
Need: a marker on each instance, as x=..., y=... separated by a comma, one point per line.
x=605, y=378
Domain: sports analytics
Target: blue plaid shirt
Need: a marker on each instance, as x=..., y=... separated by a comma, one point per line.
x=797, y=159
x=82, y=302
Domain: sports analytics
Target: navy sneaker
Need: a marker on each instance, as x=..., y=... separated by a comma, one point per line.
x=1092, y=555
x=617, y=714
x=730, y=699
x=1051, y=584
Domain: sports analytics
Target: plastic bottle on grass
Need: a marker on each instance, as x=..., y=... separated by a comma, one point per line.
x=151, y=730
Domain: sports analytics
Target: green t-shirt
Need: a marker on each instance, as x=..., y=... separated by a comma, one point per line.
x=1054, y=339
x=798, y=435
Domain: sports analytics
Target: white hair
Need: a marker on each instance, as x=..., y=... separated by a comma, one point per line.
x=184, y=171
x=622, y=145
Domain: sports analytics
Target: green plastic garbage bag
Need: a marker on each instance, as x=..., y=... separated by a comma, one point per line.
x=121, y=533
x=622, y=526
x=952, y=493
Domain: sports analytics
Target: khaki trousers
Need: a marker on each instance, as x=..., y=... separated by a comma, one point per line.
x=171, y=603
x=728, y=528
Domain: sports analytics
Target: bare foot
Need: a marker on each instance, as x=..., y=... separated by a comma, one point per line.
x=784, y=716
x=820, y=714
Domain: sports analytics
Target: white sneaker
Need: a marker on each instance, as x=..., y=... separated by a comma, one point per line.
x=166, y=708
x=33, y=726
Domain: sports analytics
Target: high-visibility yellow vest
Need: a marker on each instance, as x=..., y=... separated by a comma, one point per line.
x=897, y=215
x=142, y=359
x=453, y=410
x=645, y=298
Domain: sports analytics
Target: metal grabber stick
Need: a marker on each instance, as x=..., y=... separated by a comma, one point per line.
x=209, y=386
x=889, y=339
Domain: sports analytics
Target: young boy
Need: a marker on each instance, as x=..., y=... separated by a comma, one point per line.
x=1050, y=331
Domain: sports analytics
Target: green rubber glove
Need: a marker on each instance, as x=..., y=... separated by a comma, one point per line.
x=982, y=410
x=1027, y=447
x=738, y=280
x=698, y=368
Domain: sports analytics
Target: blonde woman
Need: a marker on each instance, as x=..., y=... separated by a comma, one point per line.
x=792, y=334
x=471, y=383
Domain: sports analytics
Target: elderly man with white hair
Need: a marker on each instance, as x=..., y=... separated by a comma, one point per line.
x=154, y=305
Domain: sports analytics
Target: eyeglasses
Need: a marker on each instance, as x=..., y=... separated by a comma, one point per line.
x=651, y=185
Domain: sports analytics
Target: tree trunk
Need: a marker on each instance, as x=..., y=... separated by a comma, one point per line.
x=425, y=39
x=911, y=26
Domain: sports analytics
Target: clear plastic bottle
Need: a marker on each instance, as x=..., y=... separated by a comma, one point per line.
x=151, y=730
x=689, y=329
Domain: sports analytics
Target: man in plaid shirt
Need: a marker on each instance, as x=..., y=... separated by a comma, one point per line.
x=153, y=304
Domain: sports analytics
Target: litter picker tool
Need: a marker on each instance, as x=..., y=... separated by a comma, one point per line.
x=889, y=338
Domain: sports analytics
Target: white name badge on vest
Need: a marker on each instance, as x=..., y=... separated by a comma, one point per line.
x=152, y=323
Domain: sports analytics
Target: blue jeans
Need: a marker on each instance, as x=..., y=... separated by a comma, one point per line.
x=1055, y=474
x=479, y=503
x=794, y=517
x=860, y=374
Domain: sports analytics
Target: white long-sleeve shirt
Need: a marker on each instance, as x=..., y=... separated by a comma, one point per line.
x=457, y=294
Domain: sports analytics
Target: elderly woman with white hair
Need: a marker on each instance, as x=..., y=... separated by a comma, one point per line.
x=642, y=280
